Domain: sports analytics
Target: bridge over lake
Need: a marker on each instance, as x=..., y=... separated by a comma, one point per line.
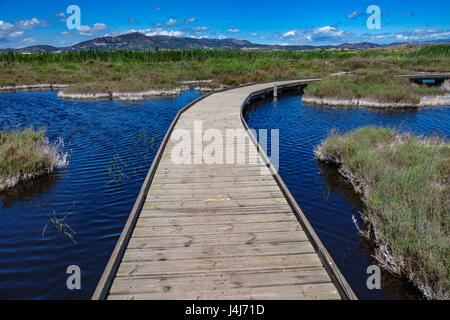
x=220, y=230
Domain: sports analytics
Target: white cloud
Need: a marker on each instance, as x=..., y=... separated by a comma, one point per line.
x=221, y=37
x=165, y=33
x=5, y=26
x=423, y=35
x=15, y=31
x=322, y=34
x=189, y=20
x=157, y=32
x=289, y=34
x=352, y=15
x=171, y=22
x=31, y=24
x=90, y=31
x=355, y=14
x=201, y=28
x=333, y=35
x=16, y=34
x=233, y=30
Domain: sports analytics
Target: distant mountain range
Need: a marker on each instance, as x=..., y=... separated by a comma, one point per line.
x=139, y=42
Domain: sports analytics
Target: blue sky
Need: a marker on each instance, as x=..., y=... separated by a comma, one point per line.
x=24, y=23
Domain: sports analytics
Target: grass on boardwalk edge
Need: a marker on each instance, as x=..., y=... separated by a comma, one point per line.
x=27, y=153
x=404, y=184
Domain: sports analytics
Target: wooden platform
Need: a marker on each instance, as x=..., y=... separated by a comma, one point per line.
x=419, y=77
x=219, y=231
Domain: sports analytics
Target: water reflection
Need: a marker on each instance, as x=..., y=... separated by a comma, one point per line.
x=29, y=191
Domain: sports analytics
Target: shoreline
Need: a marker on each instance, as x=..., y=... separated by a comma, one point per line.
x=392, y=264
x=427, y=101
x=13, y=181
x=122, y=96
x=33, y=87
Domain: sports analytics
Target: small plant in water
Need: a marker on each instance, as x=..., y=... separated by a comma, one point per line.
x=60, y=226
x=118, y=167
x=116, y=170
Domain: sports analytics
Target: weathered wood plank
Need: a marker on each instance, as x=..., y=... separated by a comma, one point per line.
x=219, y=210
x=207, y=281
x=279, y=262
x=149, y=221
x=223, y=203
x=157, y=241
x=142, y=231
x=289, y=292
x=209, y=251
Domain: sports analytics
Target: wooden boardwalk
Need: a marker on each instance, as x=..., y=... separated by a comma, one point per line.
x=219, y=231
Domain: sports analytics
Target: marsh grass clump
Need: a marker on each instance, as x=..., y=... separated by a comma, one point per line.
x=28, y=153
x=404, y=183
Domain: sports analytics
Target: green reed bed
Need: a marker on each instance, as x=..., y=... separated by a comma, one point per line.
x=128, y=71
x=404, y=182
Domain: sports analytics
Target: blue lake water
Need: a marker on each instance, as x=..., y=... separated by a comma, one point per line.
x=111, y=146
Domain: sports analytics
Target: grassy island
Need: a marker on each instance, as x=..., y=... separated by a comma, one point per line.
x=25, y=154
x=376, y=86
x=345, y=74
x=404, y=184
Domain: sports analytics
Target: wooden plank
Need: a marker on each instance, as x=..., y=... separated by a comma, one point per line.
x=185, y=241
x=219, y=264
x=317, y=291
x=155, y=191
x=209, y=251
x=225, y=203
x=268, y=209
x=208, y=196
x=213, y=219
x=237, y=279
x=143, y=231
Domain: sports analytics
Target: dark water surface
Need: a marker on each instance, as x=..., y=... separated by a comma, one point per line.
x=324, y=196
x=111, y=145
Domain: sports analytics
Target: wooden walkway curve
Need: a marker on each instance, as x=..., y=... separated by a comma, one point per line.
x=219, y=231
